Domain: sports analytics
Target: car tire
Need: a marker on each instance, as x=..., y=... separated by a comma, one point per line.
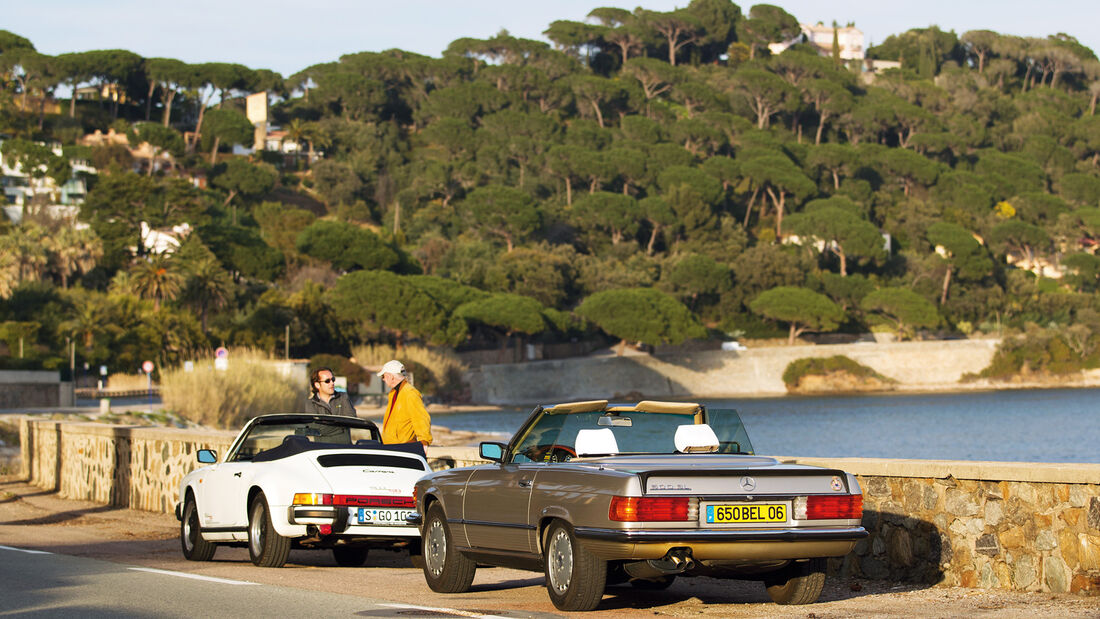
x=653, y=584
x=266, y=547
x=194, y=547
x=446, y=570
x=350, y=556
x=575, y=578
x=798, y=583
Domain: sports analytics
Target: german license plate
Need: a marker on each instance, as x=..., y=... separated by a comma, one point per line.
x=367, y=515
x=746, y=513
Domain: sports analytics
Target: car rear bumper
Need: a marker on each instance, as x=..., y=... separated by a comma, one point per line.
x=337, y=518
x=832, y=534
x=747, y=544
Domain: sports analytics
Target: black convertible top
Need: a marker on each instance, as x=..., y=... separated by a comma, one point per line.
x=294, y=444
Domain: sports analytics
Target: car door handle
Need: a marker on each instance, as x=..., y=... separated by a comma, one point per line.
x=237, y=474
x=525, y=483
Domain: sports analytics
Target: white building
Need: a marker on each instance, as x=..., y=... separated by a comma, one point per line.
x=849, y=38
x=23, y=192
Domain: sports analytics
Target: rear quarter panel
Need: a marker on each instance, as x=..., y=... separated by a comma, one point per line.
x=579, y=494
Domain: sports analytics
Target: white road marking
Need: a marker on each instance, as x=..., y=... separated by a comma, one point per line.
x=30, y=552
x=454, y=611
x=224, y=581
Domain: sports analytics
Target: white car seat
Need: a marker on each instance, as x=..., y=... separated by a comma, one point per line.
x=696, y=438
x=596, y=443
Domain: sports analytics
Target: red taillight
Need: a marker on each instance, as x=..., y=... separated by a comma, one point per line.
x=358, y=500
x=829, y=507
x=648, y=509
x=312, y=498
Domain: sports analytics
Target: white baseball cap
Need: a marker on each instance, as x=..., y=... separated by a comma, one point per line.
x=393, y=366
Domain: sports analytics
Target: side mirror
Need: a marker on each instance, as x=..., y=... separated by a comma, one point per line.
x=491, y=451
x=207, y=456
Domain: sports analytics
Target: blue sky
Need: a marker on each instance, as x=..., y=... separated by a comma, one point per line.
x=288, y=36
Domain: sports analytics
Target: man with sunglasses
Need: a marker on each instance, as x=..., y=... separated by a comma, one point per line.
x=326, y=400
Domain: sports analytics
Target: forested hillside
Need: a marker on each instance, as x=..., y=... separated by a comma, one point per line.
x=648, y=176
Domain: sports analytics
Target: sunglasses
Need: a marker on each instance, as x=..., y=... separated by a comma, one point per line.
x=327, y=380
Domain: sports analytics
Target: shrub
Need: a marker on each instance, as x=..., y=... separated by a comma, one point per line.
x=436, y=372
x=227, y=399
x=820, y=366
x=1057, y=350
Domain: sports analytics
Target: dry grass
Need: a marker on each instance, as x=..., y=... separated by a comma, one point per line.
x=127, y=382
x=227, y=399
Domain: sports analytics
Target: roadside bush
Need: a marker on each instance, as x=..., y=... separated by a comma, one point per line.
x=227, y=399
x=436, y=372
x=823, y=366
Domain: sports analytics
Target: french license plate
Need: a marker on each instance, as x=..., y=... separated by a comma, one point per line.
x=367, y=515
x=746, y=513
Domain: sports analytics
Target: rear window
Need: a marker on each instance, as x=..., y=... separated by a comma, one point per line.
x=398, y=462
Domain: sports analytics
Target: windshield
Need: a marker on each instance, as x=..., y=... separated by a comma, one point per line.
x=269, y=435
x=553, y=436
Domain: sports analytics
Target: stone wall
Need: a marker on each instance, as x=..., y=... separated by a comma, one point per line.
x=991, y=525
x=917, y=366
x=128, y=466
x=33, y=389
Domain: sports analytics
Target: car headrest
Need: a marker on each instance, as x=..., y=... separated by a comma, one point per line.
x=599, y=442
x=696, y=438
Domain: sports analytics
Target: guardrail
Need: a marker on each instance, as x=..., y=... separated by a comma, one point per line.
x=115, y=393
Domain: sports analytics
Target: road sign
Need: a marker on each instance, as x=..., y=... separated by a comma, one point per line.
x=147, y=367
x=221, y=352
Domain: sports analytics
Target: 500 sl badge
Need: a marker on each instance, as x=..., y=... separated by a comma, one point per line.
x=656, y=486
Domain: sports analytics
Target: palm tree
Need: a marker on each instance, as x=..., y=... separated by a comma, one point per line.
x=9, y=270
x=25, y=244
x=156, y=278
x=208, y=286
x=295, y=132
x=74, y=251
x=316, y=136
x=91, y=317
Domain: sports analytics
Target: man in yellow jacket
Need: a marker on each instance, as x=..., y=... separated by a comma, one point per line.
x=406, y=418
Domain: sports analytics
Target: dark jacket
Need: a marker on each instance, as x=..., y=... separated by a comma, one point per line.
x=340, y=404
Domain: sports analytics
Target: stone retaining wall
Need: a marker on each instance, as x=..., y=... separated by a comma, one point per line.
x=991, y=525
x=917, y=366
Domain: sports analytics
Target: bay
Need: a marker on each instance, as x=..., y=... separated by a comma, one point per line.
x=1040, y=425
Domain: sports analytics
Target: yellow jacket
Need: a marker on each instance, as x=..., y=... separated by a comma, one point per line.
x=406, y=419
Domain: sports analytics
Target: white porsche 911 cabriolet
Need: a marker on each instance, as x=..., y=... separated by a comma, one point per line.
x=307, y=481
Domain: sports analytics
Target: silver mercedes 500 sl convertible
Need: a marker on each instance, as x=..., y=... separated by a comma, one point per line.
x=592, y=493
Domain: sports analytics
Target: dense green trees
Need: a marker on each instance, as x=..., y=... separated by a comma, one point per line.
x=644, y=153
x=641, y=315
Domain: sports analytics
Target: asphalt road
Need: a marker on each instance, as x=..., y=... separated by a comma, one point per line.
x=100, y=561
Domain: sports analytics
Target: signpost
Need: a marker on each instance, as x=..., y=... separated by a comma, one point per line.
x=221, y=358
x=147, y=367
